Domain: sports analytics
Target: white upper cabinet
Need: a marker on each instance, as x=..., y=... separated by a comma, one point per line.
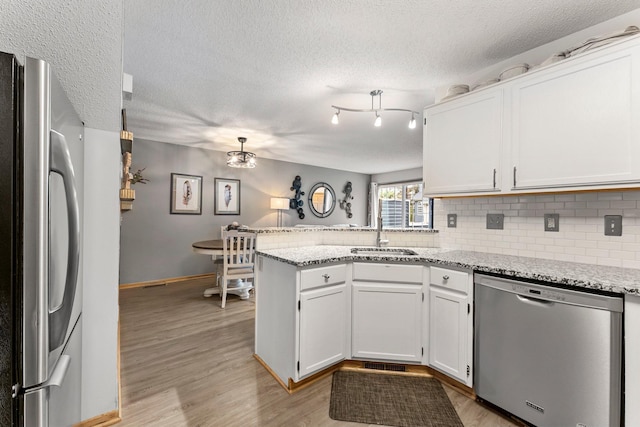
x=569, y=126
x=462, y=142
x=578, y=124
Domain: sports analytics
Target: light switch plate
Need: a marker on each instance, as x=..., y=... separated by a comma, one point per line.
x=613, y=225
x=452, y=220
x=495, y=221
x=551, y=222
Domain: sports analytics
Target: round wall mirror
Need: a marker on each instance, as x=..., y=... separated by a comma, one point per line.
x=322, y=199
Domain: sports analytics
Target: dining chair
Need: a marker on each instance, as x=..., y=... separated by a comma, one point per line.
x=238, y=272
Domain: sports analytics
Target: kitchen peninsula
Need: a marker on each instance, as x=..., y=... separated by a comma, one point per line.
x=318, y=303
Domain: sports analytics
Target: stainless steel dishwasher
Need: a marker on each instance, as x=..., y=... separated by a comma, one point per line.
x=550, y=356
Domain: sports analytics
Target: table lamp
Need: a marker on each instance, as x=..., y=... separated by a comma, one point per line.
x=280, y=204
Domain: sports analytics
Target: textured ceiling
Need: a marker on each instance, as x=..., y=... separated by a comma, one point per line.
x=82, y=40
x=206, y=72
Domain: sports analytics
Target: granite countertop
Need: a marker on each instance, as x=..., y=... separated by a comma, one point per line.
x=613, y=279
x=310, y=228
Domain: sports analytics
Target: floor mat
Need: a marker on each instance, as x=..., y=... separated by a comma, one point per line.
x=393, y=400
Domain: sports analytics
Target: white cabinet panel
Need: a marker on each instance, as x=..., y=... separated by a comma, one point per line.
x=578, y=124
x=462, y=143
x=451, y=323
x=448, y=333
x=387, y=272
x=323, y=328
x=322, y=276
x=387, y=322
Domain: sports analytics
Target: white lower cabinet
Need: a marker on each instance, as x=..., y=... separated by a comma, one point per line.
x=387, y=322
x=323, y=328
x=451, y=323
x=302, y=318
x=310, y=318
x=387, y=312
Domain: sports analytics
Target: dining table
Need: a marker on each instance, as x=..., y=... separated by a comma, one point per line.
x=215, y=249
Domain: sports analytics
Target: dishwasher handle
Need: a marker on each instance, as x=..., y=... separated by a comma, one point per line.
x=535, y=301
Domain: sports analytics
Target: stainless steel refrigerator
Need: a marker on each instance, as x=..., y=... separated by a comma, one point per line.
x=41, y=188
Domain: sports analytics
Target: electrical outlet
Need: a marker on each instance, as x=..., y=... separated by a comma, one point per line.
x=452, y=220
x=613, y=225
x=551, y=222
x=495, y=221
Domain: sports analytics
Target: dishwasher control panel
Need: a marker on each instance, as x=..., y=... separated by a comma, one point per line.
x=548, y=294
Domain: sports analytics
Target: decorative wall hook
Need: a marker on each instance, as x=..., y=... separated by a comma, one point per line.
x=296, y=203
x=345, y=203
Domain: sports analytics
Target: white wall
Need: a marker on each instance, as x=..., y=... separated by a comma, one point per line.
x=101, y=260
x=407, y=175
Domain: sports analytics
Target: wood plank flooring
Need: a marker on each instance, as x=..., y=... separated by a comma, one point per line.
x=187, y=362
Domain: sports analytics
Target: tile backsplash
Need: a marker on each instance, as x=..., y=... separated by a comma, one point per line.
x=580, y=237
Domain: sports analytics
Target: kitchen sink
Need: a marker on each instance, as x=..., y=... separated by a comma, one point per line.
x=382, y=251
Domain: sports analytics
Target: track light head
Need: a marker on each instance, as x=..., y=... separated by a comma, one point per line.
x=335, y=120
x=412, y=122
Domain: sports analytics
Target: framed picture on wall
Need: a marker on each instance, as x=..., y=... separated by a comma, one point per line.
x=227, y=196
x=186, y=194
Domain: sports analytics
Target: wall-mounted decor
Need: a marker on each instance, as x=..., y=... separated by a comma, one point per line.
x=127, y=194
x=296, y=203
x=345, y=203
x=227, y=196
x=186, y=194
x=322, y=200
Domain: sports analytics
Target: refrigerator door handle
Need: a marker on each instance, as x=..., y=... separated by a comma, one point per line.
x=55, y=380
x=60, y=316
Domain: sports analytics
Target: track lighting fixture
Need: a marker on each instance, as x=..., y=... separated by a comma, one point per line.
x=378, y=121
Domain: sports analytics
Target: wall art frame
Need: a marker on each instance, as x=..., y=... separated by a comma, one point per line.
x=186, y=194
x=227, y=196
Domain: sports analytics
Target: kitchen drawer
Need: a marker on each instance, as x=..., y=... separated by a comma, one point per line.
x=387, y=272
x=322, y=276
x=450, y=279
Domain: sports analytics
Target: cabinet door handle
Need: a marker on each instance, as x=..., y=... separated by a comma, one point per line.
x=445, y=278
x=514, y=177
x=494, y=178
x=326, y=276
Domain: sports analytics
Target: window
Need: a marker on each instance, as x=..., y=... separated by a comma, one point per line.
x=404, y=207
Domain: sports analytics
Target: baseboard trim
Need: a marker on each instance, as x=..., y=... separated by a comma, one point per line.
x=168, y=281
x=359, y=365
x=104, y=420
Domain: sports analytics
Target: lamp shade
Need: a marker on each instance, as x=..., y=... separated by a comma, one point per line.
x=279, y=203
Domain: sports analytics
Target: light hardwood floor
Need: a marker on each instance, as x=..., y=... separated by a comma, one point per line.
x=187, y=362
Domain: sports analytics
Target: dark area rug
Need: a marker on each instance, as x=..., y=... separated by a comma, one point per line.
x=393, y=400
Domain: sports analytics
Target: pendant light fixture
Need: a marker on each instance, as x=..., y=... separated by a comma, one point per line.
x=377, y=111
x=241, y=159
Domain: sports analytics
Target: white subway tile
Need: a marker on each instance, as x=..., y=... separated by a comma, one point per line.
x=586, y=259
x=609, y=195
x=624, y=204
x=564, y=197
x=586, y=197
x=612, y=262
x=631, y=264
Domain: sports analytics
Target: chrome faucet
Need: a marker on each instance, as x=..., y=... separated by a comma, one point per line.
x=379, y=241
